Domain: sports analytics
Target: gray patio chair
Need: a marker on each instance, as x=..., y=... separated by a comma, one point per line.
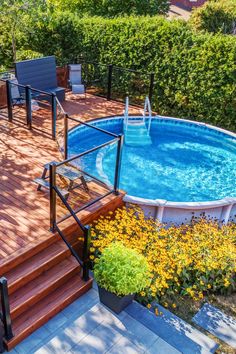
x=18, y=98
x=75, y=79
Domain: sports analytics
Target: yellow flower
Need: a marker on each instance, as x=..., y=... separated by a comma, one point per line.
x=156, y=311
x=149, y=306
x=176, y=255
x=174, y=306
x=200, y=295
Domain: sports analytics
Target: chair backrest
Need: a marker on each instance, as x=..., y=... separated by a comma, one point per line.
x=75, y=74
x=15, y=92
x=38, y=73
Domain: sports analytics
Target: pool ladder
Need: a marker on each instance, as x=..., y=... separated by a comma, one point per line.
x=136, y=132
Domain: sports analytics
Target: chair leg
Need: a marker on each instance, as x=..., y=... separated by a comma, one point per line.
x=70, y=186
x=84, y=184
x=43, y=177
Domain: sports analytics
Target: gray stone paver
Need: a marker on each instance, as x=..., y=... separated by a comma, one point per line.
x=124, y=345
x=162, y=347
x=100, y=340
x=86, y=326
x=218, y=323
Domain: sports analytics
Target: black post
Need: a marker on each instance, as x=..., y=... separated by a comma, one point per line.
x=66, y=136
x=28, y=106
x=151, y=86
x=9, y=100
x=87, y=241
x=6, y=318
x=54, y=115
x=109, y=82
x=52, y=181
x=118, y=163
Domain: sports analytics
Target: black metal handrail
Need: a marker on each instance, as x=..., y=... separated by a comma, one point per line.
x=5, y=309
x=109, y=79
x=54, y=224
x=66, y=129
x=88, y=151
x=29, y=94
x=93, y=127
x=54, y=192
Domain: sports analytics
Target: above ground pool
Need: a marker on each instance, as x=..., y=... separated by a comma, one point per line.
x=188, y=165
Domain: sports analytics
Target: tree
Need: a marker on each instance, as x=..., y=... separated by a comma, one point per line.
x=15, y=20
x=216, y=16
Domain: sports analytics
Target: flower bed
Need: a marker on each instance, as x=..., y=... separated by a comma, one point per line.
x=192, y=260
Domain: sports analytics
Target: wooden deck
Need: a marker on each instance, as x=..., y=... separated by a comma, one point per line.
x=24, y=212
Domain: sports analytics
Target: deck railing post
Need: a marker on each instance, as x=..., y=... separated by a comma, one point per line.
x=9, y=100
x=52, y=182
x=86, y=247
x=109, y=82
x=118, y=163
x=6, y=318
x=151, y=86
x=54, y=115
x=28, y=106
x=66, y=136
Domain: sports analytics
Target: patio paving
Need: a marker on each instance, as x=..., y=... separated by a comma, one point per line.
x=217, y=323
x=86, y=326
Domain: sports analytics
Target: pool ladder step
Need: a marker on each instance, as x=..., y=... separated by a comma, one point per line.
x=136, y=134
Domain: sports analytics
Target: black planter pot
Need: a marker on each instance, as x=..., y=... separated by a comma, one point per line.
x=114, y=302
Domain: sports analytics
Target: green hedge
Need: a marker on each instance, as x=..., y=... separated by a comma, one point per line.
x=195, y=74
x=112, y=8
x=216, y=16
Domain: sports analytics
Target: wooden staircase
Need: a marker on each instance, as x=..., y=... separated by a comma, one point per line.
x=45, y=278
x=42, y=286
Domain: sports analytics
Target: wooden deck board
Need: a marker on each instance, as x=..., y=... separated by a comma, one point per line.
x=24, y=211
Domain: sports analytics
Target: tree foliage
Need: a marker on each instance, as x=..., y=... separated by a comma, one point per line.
x=16, y=19
x=216, y=16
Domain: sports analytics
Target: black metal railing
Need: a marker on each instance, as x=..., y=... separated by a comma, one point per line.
x=5, y=316
x=55, y=190
x=115, y=83
x=30, y=99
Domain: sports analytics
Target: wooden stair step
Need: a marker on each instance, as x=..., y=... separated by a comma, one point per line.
x=36, y=316
x=36, y=265
x=27, y=252
x=43, y=285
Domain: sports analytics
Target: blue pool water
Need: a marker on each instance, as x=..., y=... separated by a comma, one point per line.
x=185, y=163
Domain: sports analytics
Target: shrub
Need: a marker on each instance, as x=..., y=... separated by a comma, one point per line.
x=188, y=260
x=112, y=8
x=194, y=73
x=216, y=16
x=121, y=270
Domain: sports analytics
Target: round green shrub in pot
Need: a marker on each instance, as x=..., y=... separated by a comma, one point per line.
x=120, y=272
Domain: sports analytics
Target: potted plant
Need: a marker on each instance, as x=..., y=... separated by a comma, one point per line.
x=120, y=272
